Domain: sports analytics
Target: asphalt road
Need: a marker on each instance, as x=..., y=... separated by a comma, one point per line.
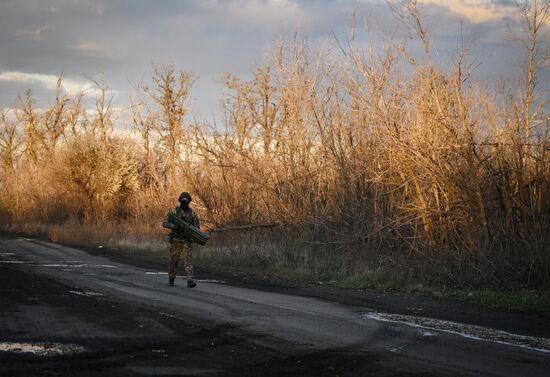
x=65, y=311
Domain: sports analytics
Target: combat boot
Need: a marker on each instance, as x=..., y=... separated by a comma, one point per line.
x=171, y=282
x=191, y=284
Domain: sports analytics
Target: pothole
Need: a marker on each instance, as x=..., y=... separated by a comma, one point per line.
x=465, y=330
x=41, y=349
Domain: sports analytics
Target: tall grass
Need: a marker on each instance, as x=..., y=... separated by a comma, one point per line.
x=373, y=163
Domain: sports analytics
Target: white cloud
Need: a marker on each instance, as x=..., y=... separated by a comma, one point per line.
x=477, y=11
x=88, y=48
x=49, y=81
x=34, y=34
x=116, y=110
x=263, y=14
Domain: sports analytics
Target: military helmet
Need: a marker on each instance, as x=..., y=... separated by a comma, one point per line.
x=185, y=195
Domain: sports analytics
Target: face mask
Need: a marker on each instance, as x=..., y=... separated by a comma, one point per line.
x=184, y=205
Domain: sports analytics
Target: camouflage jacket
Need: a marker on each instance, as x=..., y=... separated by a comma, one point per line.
x=189, y=216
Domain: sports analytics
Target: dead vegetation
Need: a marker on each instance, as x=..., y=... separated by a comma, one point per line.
x=372, y=163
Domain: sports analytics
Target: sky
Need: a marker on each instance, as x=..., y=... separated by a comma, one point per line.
x=119, y=40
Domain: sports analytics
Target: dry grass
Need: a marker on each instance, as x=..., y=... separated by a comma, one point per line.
x=112, y=236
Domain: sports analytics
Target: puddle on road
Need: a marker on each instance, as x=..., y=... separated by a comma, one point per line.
x=464, y=330
x=426, y=333
x=86, y=294
x=41, y=349
x=100, y=265
x=77, y=265
x=59, y=265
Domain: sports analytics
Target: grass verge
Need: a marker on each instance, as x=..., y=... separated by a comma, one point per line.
x=521, y=301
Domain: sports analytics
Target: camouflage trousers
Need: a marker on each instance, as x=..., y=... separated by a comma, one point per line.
x=182, y=249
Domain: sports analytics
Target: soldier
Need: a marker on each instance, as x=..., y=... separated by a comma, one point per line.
x=180, y=244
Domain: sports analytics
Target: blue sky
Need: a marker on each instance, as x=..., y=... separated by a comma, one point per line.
x=119, y=40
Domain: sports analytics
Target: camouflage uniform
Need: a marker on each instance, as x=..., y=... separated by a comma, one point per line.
x=180, y=245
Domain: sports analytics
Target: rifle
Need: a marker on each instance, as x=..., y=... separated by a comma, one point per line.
x=189, y=231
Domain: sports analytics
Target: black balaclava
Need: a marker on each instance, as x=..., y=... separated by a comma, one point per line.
x=184, y=204
x=185, y=199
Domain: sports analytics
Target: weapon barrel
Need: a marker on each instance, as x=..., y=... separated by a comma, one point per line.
x=189, y=231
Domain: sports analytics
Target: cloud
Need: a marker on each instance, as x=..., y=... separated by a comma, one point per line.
x=87, y=48
x=478, y=11
x=49, y=81
x=266, y=14
x=119, y=40
x=34, y=34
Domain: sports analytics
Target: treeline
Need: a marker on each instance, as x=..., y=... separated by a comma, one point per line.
x=391, y=162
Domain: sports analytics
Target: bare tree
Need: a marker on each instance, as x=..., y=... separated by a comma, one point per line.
x=29, y=118
x=10, y=142
x=536, y=16
x=169, y=95
x=102, y=124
